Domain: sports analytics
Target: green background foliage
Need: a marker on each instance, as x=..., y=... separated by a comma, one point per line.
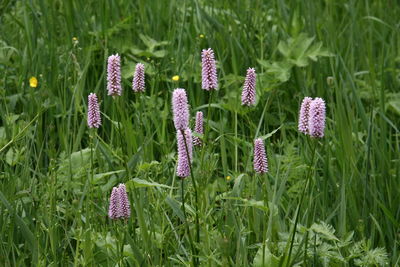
x=54, y=191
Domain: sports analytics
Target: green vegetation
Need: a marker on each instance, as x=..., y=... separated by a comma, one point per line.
x=54, y=192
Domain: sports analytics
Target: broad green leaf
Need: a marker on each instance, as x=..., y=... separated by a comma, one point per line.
x=300, y=50
x=279, y=71
x=270, y=260
x=176, y=207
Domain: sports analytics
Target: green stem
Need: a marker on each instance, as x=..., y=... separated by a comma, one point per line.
x=264, y=235
x=287, y=260
x=186, y=223
x=91, y=136
x=195, y=189
x=207, y=128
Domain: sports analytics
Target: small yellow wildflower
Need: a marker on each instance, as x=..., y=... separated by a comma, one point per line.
x=228, y=178
x=201, y=36
x=33, y=82
x=175, y=78
x=75, y=41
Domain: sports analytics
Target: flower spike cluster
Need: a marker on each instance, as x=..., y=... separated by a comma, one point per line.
x=119, y=203
x=249, y=88
x=138, y=78
x=260, y=158
x=180, y=108
x=93, y=117
x=312, y=117
x=114, y=75
x=209, y=70
x=198, y=128
x=316, y=121
x=304, y=114
x=184, y=158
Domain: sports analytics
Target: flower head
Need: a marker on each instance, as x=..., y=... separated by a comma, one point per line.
x=113, y=209
x=198, y=128
x=138, y=78
x=180, y=109
x=249, y=88
x=114, y=75
x=316, y=120
x=304, y=115
x=93, y=119
x=184, y=159
x=260, y=158
x=124, y=206
x=209, y=70
x=119, y=203
x=33, y=82
x=175, y=78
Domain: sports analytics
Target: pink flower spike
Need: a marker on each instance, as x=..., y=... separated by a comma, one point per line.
x=124, y=206
x=114, y=75
x=184, y=159
x=260, y=157
x=138, y=78
x=249, y=88
x=93, y=117
x=304, y=115
x=180, y=109
x=209, y=70
x=113, y=210
x=316, y=121
x=198, y=128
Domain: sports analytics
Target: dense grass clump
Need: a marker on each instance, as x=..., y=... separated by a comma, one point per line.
x=329, y=196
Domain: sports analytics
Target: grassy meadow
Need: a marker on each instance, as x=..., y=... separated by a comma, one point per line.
x=331, y=201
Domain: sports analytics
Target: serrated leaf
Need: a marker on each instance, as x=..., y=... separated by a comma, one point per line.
x=325, y=230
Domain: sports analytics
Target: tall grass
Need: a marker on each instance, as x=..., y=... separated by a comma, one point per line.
x=53, y=212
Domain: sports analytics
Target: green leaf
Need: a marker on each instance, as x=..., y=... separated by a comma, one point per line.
x=279, y=71
x=176, y=207
x=160, y=53
x=25, y=231
x=325, y=230
x=136, y=182
x=100, y=176
x=394, y=103
x=270, y=134
x=11, y=157
x=300, y=50
x=270, y=260
x=259, y=204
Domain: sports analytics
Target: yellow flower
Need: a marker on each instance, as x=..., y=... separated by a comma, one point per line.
x=228, y=178
x=201, y=36
x=175, y=78
x=33, y=82
x=74, y=39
